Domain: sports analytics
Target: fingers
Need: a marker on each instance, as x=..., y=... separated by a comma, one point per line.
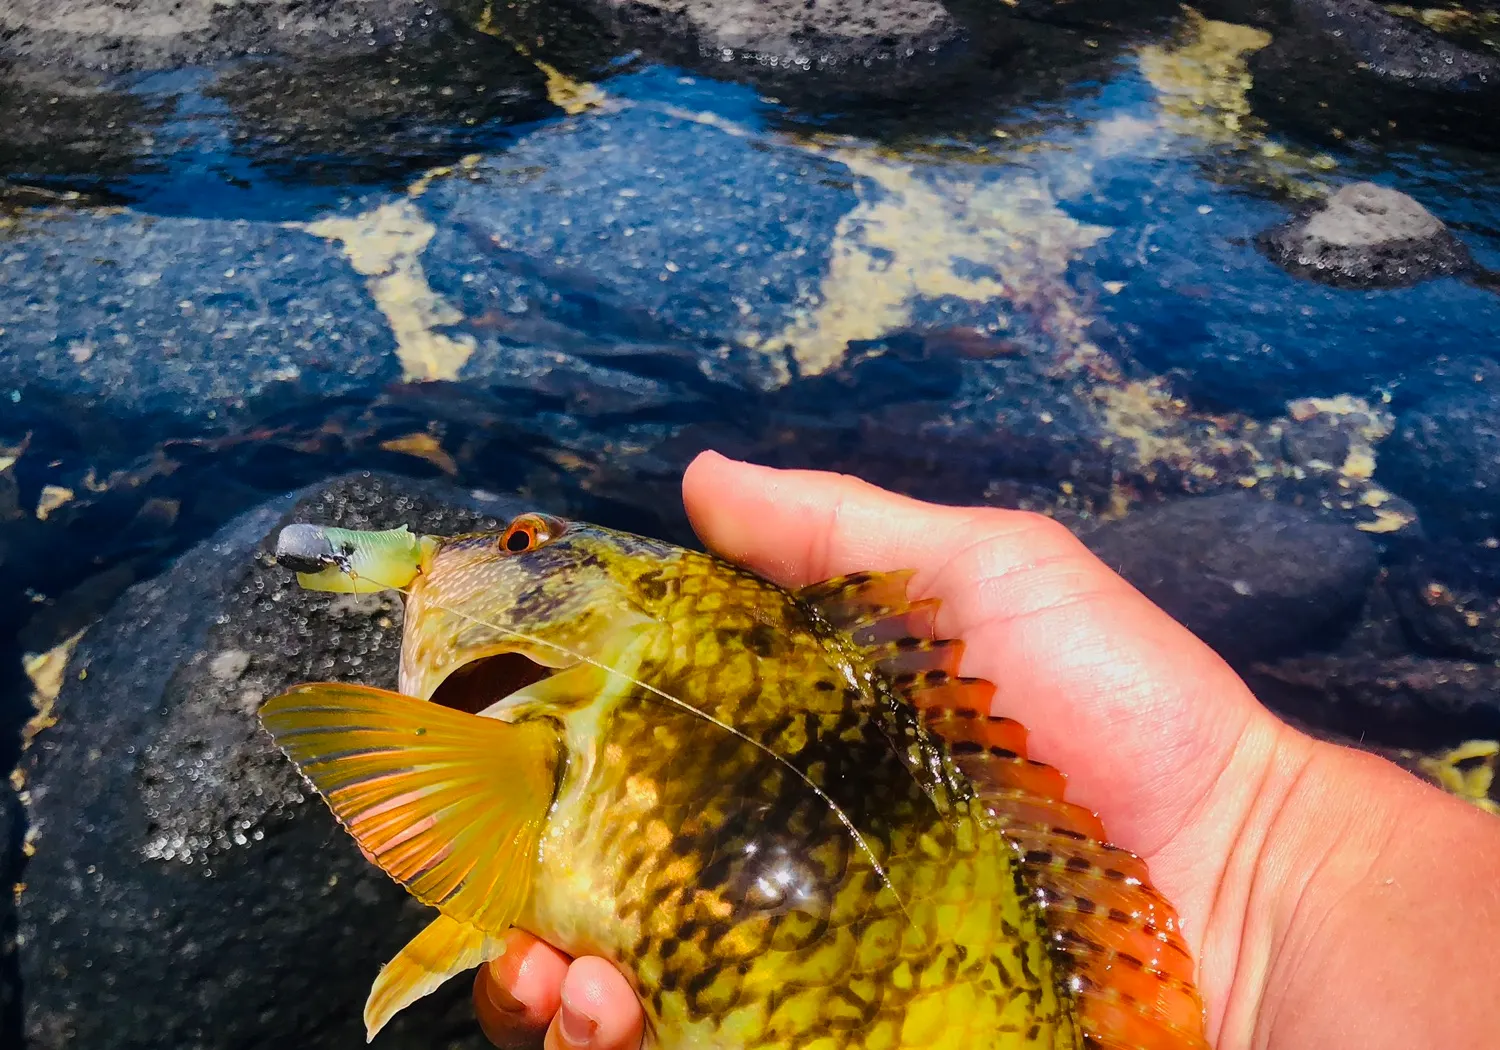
x=599, y=1010
x=517, y=994
x=534, y=993
x=1142, y=715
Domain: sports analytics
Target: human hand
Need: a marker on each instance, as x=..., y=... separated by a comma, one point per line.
x=1321, y=889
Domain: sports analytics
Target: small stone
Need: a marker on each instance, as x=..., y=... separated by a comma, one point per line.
x=229, y=665
x=1368, y=236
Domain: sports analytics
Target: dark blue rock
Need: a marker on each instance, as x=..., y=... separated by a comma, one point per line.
x=1252, y=578
x=1445, y=457
x=185, y=891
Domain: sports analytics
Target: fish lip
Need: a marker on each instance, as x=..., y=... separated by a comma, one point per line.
x=490, y=678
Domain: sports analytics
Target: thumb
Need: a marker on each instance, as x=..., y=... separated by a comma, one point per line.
x=1143, y=717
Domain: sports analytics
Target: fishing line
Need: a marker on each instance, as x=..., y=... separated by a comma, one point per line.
x=523, y=636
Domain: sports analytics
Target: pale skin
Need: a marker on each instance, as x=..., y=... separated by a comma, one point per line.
x=1331, y=899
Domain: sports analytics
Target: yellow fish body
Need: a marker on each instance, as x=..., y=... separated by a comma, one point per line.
x=781, y=814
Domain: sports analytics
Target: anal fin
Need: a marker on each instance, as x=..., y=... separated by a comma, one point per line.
x=444, y=949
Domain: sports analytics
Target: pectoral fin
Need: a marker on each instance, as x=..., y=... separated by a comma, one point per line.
x=444, y=949
x=449, y=804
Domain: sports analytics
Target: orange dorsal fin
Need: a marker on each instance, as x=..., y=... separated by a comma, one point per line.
x=859, y=599
x=449, y=804
x=1120, y=939
x=1116, y=936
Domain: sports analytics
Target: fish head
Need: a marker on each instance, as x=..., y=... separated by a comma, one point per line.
x=492, y=612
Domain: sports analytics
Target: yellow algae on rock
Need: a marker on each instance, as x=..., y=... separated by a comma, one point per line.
x=384, y=245
x=1467, y=771
x=46, y=673
x=1152, y=420
x=911, y=237
x=1360, y=463
x=571, y=96
x=423, y=446
x=1483, y=24
x=1203, y=82
x=1385, y=521
x=52, y=497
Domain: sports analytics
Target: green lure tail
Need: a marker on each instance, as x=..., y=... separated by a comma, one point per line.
x=348, y=561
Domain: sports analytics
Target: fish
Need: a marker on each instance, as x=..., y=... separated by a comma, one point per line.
x=782, y=814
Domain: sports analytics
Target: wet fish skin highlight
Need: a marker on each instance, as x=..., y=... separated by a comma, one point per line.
x=782, y=814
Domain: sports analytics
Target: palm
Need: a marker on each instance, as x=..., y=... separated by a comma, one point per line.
x=1155, y=732
x=1143, y=718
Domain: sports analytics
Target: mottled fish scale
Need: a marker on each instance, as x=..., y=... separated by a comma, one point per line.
x=942, y=950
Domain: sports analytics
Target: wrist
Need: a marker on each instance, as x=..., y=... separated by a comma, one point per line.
x=1349, y=873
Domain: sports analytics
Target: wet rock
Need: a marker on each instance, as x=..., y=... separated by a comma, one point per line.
x=176, y=849
x=181, y=324
x=1449, y=598
x=800, y=34
x=1367, y=236
x=155, y=34
x=1407, y=701
x=1350, y=68
x=1316, y=442
x=73, y=130
x=169, y=144
x=1253, y=579
x=1445, y=457
x=383, y=115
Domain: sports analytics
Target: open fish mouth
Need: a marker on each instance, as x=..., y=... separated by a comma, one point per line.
x=489, y=680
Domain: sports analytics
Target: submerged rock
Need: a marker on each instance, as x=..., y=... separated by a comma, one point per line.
x=1369, y=236
x=176, y=849
x=1253, y=579
x=797, y=33
x=154, y=34
x=1351, y=68
x=1406, y=701
x=1449, y=598
x=1445, y=457
x=182, y=325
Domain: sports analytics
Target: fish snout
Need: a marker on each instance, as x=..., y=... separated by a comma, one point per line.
x=305, y=548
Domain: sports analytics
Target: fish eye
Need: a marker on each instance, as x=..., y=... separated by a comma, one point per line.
x=526, y=533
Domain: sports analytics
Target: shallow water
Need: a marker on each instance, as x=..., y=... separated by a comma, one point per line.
x=1031, y=282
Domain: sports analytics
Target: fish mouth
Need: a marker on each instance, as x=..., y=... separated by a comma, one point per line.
x=486, y=681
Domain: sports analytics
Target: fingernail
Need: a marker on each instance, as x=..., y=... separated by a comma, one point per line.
x=577, y=1028
x=502, y=999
